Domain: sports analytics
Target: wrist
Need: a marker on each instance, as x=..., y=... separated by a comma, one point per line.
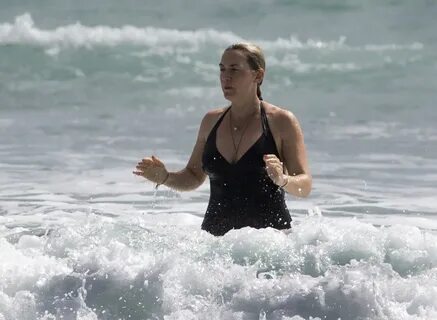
x=285, y=181
x=163, y=181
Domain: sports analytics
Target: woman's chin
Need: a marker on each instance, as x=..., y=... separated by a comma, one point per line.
x=228, y=94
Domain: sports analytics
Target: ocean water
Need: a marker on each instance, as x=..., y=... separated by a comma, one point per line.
x=89, y=88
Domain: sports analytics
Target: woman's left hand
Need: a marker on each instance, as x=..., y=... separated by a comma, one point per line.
x=275, y=169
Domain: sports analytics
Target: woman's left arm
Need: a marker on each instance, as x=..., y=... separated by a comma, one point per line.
x=297, y=177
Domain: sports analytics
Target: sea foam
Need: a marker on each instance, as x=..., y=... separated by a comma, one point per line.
x=24, y=31
x=324, y=268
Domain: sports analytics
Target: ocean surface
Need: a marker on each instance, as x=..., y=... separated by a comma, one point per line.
x=88, y=88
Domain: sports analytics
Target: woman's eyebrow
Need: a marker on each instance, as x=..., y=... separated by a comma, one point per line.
x=231, y=65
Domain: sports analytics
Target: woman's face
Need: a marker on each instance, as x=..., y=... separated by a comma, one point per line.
x=236, y=77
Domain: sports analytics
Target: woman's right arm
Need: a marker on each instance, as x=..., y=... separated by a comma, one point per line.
x=190, y=177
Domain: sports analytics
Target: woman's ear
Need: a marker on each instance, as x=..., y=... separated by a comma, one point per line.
x=259, y=76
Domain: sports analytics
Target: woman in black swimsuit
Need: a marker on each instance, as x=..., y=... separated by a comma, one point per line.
x=252, y=151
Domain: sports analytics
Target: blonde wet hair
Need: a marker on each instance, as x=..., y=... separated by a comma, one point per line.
x=255, y=58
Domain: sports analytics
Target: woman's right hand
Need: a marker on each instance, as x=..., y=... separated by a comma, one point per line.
x=152, y=169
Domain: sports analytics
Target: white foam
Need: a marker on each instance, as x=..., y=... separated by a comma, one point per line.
x=292, y=62
x=167, y=41
x=323, y=268
x=22, y=269
x=24, y=31
x=19, y=306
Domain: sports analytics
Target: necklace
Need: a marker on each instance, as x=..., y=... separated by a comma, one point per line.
x=243, y=131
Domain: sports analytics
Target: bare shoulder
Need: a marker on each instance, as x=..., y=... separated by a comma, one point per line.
x=209, y=120
x=281, y=119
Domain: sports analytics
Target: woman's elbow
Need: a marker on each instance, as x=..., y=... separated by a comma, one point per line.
x=305, y=189
x=199, y=178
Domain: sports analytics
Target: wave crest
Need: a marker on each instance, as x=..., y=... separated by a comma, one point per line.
x=24, y=31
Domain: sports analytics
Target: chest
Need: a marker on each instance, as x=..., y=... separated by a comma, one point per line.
x=251, y=162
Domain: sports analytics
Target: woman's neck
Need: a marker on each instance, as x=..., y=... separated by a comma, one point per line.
x=245, y=108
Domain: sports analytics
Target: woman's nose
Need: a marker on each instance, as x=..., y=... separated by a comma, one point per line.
x=226, y=75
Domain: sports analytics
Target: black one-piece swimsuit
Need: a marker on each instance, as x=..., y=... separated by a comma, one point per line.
x=242, y=194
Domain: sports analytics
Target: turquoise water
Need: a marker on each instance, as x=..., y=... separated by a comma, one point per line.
x=88, y=89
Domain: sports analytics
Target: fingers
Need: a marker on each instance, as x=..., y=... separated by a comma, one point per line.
x=149, y=162
x=270, y=157
x=157, y=161
x=150, y=168
x=146, y=161
x=272, y=160
x=144, y=164
x=274, y=167
x=274, y=171
x=141, y=165
x=274, y=164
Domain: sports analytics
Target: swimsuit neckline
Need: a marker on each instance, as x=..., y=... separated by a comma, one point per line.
x=264, y=125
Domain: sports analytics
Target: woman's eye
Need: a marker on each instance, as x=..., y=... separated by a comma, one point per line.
x=229, y=70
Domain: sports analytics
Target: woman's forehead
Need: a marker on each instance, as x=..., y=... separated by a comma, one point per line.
x=234, y=57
